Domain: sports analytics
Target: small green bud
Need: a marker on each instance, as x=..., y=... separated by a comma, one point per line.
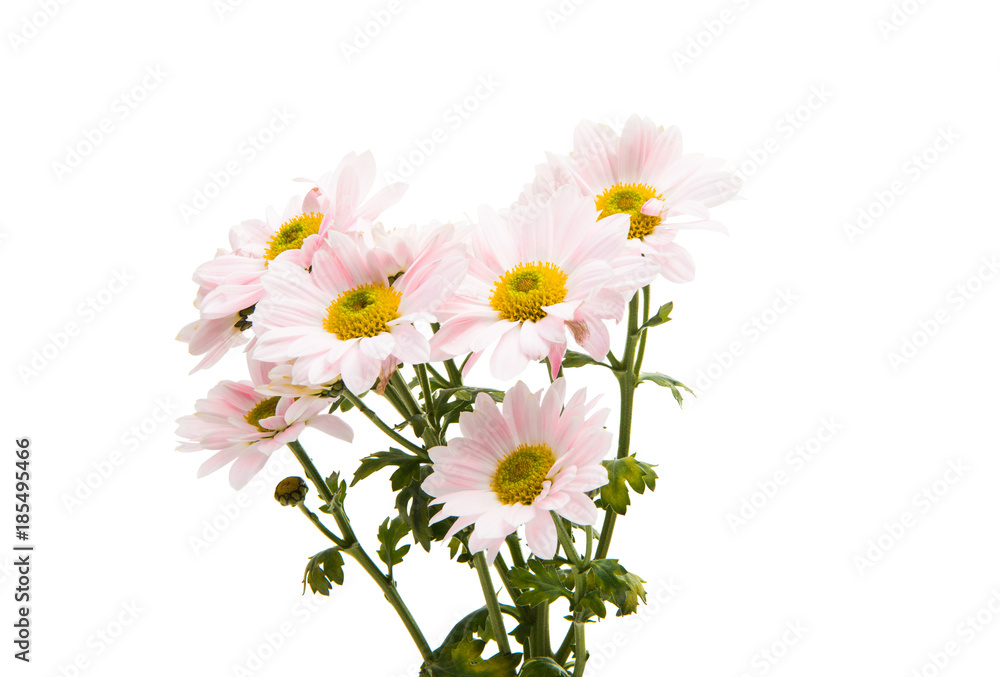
x=291, y=491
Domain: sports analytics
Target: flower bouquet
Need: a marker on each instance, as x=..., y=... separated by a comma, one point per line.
x=524, y=485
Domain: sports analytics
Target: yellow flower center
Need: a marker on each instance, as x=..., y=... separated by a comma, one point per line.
x=292, y=234
x=628, y=198
x=521, y=292
x=264, y=409
x=362, y=311
x=520, y=474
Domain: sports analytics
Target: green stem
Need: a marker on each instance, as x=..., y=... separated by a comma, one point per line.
x=642, y=338
x=403, y=391
x=492, y=603
x=626, y=384
x=425, y=388
x=580, y=652
x=566, y=540
x=393, y=597
x=540, y=640
x=454, y=373
x=311, y=471
x=516, y=556
x=382, y=425
x=322, y=527
x=352, y=547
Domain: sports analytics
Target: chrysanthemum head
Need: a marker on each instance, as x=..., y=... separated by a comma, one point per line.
x=362, y=311
x=292, y=234
x=263, y=409
x=521, y=292
x=520, y=475
x=628, y=198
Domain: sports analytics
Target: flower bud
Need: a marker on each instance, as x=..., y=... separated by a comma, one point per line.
x=291, y=491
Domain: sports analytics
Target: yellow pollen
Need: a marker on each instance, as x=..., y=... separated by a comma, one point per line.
x=521, y=292
x=264, y=409
x=628, y=198
x=520, y=474
x=292, y=234
x=362, y=311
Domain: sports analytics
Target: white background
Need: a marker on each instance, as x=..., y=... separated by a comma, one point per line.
x=130, y=540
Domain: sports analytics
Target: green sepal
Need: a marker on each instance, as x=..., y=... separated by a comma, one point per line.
x=661, y=316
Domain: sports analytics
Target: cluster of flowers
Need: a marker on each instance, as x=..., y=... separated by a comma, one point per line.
x=334, y=299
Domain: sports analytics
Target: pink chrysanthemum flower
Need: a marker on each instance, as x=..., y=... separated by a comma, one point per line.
x=245, y=427
x=512, y=468
x=214, y=337
x=530, y=281
x=352, y=316
x=336, y=203
x=642, y=173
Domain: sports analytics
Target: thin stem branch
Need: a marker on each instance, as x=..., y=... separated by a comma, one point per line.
x=492, y=603
x=353, y=547
x=382, y=425
x=322, y=527
x=642, y=338
x=566, y=540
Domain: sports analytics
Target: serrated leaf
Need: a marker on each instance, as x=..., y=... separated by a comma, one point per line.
x=381, y=459
x=617, y=585
x=389, y=534
x=661, y=316
x=541, y=584
x=413, y=505
x=461, y=654
x=542, y=667
x=322, y=569
x=666, y=382
x=623, y=473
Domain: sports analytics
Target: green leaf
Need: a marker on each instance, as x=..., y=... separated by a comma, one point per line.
x=382, y=459
x=337, y=487
x=666, y=382
x=542, y=667
x=461, y=654
x=661, y=316
x=621, y=472
x=413, y=505
x=389, y=535
x=324, y=568
x=573, y=359
x=616, y=585
x=543, y=583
